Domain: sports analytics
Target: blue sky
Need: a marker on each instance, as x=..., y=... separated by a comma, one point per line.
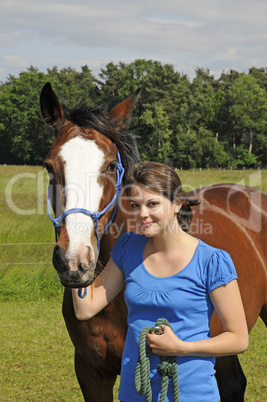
x=211, y=34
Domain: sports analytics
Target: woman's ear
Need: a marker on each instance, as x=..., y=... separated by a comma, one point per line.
x=177, y=206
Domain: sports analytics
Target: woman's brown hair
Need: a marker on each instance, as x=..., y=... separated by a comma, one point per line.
x=162, y=179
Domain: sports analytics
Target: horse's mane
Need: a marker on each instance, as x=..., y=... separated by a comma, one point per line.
x=87, y=116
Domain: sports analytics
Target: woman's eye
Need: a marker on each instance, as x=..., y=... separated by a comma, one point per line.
x=133, y=206
x=153, y=204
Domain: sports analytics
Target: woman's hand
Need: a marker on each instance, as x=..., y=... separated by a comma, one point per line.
x=234, y=338
x=167, y=344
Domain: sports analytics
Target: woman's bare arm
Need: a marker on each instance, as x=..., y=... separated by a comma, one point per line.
x=102, y=291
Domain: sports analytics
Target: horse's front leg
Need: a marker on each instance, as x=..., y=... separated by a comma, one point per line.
x=230, y=378
x=95, y=388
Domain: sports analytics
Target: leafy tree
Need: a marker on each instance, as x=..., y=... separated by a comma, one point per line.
x=163, y=92
x=241, y=157
x=227, y=79
x=111, y=80
x=206, y=123
x=261, y=76
x=199, y=149
x=74, y=86
x=204, y=100
x=161, y=85
x=165, y=85
x=224, y=124
x=260, y=144
x=22, y=132
x=156, y=128
x=248, y=110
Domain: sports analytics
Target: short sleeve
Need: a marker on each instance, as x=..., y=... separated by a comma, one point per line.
x=220, y=270
x=119, y=250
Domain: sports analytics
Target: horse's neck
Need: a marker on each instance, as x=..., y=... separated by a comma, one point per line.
x=115, y=230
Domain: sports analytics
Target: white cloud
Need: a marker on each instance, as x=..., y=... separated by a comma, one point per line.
x=12, y=65
x=9, y=39
x=221, y=33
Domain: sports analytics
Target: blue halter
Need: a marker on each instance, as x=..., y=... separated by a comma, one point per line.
x=95, y=215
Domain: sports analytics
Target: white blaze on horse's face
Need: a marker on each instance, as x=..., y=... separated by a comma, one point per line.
x=82, y=164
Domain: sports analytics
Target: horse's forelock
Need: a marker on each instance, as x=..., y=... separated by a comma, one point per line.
x=86, y=116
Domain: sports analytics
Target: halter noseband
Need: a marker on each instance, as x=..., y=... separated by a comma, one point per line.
x=94, y=215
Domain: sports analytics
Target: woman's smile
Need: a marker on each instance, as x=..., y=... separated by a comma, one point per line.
x=146, y=225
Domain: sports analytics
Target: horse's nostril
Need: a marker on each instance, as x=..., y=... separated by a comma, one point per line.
x=56, y=248
x=59, y=252
x=83, y=267
x=59, y=259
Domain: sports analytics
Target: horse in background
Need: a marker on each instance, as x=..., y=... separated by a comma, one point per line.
x=85, y=166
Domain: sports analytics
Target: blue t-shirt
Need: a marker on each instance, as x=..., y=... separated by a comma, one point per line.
x=183, y=299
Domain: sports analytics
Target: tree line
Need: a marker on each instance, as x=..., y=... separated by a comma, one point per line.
x=205, y=122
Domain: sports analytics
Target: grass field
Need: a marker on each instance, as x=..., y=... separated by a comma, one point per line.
x=36, y=356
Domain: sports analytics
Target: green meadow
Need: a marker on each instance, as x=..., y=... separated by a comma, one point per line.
x=36, y=359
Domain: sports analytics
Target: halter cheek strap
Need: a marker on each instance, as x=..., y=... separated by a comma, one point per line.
x=94, y=215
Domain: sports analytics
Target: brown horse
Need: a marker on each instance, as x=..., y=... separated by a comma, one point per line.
x=85, y=177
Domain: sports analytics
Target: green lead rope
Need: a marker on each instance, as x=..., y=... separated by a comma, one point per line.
x=167, y=368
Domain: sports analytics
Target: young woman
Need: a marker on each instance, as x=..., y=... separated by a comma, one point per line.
x=169, y=274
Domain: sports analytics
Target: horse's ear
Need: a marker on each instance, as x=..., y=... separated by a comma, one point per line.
x=51, y=109
x=120, y=114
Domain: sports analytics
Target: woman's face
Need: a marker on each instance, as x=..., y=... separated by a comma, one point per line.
x=154, y=214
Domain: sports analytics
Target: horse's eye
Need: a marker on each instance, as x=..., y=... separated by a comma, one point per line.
x=111, y=167
x=50, y=171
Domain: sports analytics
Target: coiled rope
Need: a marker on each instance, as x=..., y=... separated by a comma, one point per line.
x=167, y=368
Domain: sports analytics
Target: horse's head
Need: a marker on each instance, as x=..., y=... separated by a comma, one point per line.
x=85, y=174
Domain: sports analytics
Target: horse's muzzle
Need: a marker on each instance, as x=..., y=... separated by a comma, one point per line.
x=81, y=277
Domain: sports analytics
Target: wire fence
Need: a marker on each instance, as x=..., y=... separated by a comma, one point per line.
x=27, y=263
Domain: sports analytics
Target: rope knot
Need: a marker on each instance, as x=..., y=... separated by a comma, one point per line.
x=165, y=369
x=56, y=222
x=96, y=216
